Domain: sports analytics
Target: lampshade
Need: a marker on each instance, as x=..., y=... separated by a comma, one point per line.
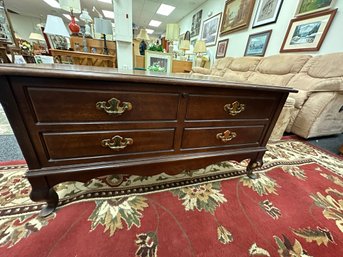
x=55, y=26
x=172, y=32
x=103, y=26
x=36, y=36
x=85, y=16
x=200, y=47
x=184, y=45
x=143, y=35
x=71, y=5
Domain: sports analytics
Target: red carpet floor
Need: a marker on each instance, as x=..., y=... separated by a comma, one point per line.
x=293, y=209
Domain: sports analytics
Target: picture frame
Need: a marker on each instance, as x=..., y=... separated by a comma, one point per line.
x=6, y=31
x=257, y=43
x=196, y=23
x=19, y=59
x=222, y=48
x=236, y=15
x=210, y=29
x=311, y=6
x=58, y=42
x=267, y=12
x=307, y=33
x=164, y=60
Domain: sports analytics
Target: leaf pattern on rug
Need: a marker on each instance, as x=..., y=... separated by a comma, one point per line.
x=13, y=188
x=287, y=249
x=201, y=197
x=110, y=213
x=15, y=229
x=333, y=179
x=295, y=172
x=319, y=235
x=270, y=209
x=333, y=209
x=263, y=185
x=147, y=244
x=224, y=235
x=254, y=250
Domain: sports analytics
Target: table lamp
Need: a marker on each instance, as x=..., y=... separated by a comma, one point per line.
x=172, y=34
x=87, y=19
x=143, y=35
x=199, y=49
x=184, y=46
x=104, y=27
x=73, y=6
x=55, y=26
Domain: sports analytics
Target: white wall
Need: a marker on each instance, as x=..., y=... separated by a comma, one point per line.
x=237, y=40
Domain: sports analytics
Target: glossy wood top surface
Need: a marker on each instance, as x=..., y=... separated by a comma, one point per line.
x=102, y=73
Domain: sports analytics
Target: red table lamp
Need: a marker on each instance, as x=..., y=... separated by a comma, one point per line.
x=73, y=6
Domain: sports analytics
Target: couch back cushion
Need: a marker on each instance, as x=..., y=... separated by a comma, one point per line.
x=241, y=68
x=277, y=70
x=220, y=66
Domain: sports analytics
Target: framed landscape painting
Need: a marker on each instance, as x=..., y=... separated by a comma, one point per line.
x=221, y=48
x=236, y=16
x=196, y=22
x=311, y=6
x=161, y=61
x=307, y=33
x=210, y=30
x=257, y=44
x=267, y=12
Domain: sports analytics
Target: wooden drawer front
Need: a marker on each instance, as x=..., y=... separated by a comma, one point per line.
x=207, y=137
x=68, y=105
x=89, y=144
x=212, y=107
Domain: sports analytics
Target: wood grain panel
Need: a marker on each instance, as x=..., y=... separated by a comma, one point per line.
x=88, y=144
x=206, y=137
x=202, y=107
x=72, y=105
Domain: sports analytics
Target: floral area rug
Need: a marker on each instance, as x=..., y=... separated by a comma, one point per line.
x=293, y=209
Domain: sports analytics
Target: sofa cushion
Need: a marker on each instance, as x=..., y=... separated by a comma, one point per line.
x=326, y=66
x=220, y=66
x=244, y=64
x=282, y=64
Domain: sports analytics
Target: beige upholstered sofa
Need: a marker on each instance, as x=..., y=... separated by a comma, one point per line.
x=317, y=109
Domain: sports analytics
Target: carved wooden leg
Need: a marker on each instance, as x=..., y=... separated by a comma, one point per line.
x=42, y=192
x=253, y=164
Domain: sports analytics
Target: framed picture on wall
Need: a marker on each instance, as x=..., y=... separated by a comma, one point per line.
x=196, y=22
x=236, y=16
x=58, y=42
x=307, y=33
x=210, y=30
x=257, y=43
x=221, y=48
x=267, y=12
x=311, y=6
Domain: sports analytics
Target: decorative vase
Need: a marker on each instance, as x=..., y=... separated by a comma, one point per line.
x=73, y=26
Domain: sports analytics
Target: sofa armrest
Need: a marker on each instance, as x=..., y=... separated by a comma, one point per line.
x=201, y=70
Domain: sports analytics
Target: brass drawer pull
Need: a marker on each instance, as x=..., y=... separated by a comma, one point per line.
x=117, y=143
x=112, y=106
x=234, y=108
x=226, y=136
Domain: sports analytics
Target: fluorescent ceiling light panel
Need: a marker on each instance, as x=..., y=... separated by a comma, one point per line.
x=149, y=31
x=108, y=14
x=53, y=3
x=106, y=1
x=154, y=23
x=69, y=18
x=165, y=9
